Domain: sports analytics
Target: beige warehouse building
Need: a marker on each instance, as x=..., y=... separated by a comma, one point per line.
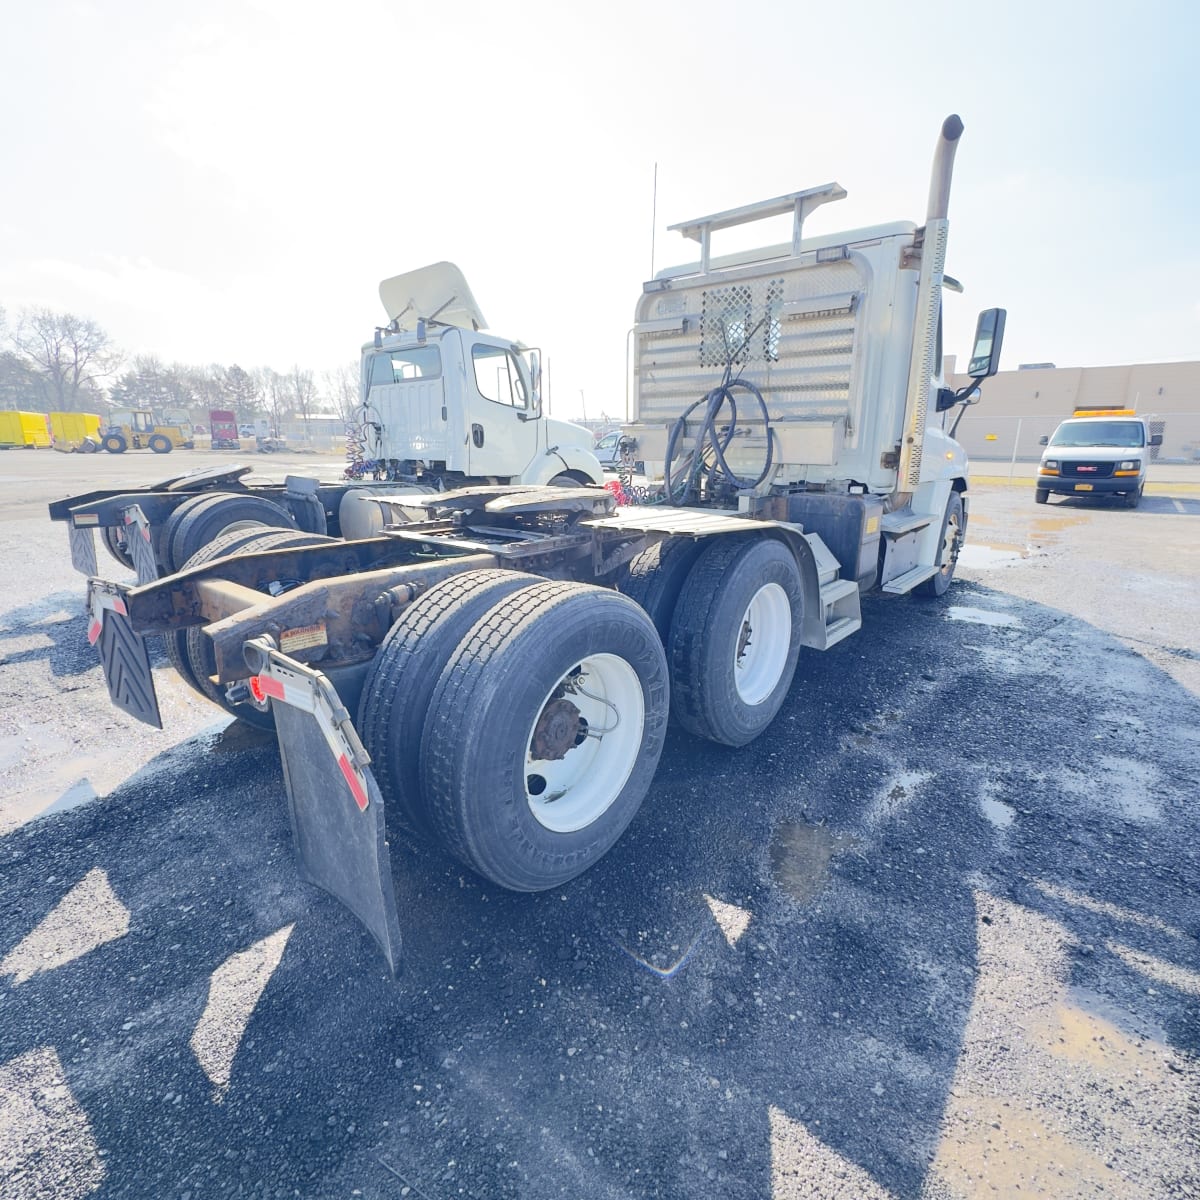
x=1019, y=407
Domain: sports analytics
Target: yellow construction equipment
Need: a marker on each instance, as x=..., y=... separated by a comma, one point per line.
x=141, y=429
x=73, y=432
x=27, y=429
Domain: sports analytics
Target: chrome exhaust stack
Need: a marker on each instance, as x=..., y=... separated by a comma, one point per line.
x=943, y=169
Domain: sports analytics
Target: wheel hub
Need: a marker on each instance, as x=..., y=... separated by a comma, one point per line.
x=556, y=731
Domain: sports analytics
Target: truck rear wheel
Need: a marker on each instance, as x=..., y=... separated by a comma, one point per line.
x=160, y=443
x=114, y=443
x=197, y=521
x=947, y=559
x=198, y=651
x=544, y=733
x=111, y=537
x=403, y=675
x=656, y=578
x=176, y=640
x=735, y=639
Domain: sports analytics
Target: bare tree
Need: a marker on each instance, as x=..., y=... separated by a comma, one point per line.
x=276, y=392
x=341, y=390
x=303, y=395
x=71, y=353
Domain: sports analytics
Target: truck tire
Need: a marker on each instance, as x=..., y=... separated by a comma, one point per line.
x=201, y=657
x=656, y=577
x=735, y=639
x=518, y=783
x=403, y=675
x=198, y=521
x=1041, y=495
x=176, y=640
x=1133, y=499
x=160, y=443
x=111, y=537
x=952, y=537
x=114, y=443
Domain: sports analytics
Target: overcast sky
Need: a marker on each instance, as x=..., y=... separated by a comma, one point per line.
x=228, y=181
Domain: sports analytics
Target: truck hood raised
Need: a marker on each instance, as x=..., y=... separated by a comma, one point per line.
x=438, y=292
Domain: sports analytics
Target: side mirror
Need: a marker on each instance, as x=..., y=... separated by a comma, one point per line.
x=1156, y=439
x=1044, y=440
x=989, y=337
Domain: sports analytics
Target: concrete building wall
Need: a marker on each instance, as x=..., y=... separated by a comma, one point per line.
x=1019, y=407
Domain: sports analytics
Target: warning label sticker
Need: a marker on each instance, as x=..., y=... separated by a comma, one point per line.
x=304, y=637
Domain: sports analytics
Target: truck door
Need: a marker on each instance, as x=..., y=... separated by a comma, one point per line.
x=502, y=430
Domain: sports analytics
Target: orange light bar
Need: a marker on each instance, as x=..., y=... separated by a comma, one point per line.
x=1105, y=412
x=1125, y=472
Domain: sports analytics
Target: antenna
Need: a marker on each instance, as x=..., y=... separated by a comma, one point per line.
x=653, y=219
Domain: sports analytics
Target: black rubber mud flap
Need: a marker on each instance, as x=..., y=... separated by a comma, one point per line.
x=123, y=654
x=340, y=845
x=83, y=549
x=141, y=547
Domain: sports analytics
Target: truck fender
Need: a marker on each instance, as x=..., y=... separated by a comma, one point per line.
x=561, y=459
x=812, y=620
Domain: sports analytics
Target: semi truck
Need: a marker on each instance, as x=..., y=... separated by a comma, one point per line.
x=497, y=677
x=442, y=403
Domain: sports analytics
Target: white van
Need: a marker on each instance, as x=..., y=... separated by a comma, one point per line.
x=1100, y=452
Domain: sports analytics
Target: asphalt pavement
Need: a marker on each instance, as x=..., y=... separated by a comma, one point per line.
x=935, y=934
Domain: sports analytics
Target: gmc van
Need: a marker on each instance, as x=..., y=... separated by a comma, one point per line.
x=1097, y=452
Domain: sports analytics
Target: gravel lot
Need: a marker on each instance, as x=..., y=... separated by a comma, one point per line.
x=934, y=935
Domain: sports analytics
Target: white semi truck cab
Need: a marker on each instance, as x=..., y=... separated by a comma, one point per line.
x=811, y=372
x=445, y=403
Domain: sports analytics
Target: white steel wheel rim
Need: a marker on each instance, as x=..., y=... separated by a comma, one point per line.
x=949, y=540
x=764, y=637
x=569, y=793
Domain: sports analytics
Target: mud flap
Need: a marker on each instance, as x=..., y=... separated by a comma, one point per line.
x=123, y=654
x=141, y=548
x=334, y=801
x=83, y=549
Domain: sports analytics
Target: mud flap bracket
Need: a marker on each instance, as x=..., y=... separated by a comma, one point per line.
x=334, y=801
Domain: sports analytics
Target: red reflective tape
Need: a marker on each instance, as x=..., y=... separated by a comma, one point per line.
x=262, y=686
x=356, y=787
x=93, y=631
x=146, y=532
x=119, y=606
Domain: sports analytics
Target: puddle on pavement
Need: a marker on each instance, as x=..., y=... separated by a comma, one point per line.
x=800, y=857
x=1000, y=814
x=983, y=558
x=237, y=735
x=980, y=616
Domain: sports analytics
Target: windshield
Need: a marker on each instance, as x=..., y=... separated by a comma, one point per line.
x=1099, y=433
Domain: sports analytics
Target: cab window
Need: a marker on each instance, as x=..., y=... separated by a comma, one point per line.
x=402, y=366
x=497, y=377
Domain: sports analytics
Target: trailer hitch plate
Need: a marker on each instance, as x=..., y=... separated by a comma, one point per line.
x=334, y=802
x=123, y=654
